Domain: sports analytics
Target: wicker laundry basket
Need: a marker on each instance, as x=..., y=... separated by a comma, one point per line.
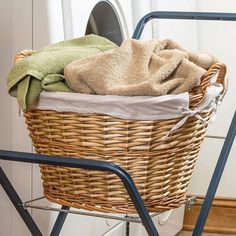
x=160, y=169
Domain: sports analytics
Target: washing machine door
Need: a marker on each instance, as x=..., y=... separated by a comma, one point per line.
x=103, y=21
x=102, y=18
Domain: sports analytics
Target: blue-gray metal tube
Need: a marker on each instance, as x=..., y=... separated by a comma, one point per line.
x=219, y=16
x=90, y=165
x=215, y=178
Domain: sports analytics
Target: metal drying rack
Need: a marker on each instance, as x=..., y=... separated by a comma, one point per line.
x=144, y=217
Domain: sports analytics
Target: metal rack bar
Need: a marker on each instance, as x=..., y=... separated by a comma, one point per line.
x=16, y=201
x=83, y=213
x=127, y=218
x=216, y=178
x=59, y=221
x=89, y=165
x=178, y=15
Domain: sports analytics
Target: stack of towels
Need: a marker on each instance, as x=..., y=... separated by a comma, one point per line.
x=95, y=65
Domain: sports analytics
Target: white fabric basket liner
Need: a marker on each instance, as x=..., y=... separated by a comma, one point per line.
x=125, y=107
x=133, y=108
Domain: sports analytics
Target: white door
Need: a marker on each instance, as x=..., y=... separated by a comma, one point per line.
x=16, y=34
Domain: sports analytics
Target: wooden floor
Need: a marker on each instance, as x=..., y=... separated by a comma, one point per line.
x=188, y=233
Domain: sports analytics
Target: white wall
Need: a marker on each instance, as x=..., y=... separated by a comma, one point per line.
x=140, y=8
x=21, y=21
x=13, y=136
x=219, y=39
x=182, y=31
x=5, y=106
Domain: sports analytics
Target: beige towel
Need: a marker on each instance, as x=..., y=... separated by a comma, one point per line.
x=139, y=68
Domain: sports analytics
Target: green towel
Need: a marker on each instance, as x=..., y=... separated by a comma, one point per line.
x=43, y=70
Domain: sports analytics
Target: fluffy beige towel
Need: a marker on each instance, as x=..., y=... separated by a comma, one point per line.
x=139, y=68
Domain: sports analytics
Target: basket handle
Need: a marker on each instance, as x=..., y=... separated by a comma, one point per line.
x=181, y=15
x=198, y=94
x=22, y=54
x=220, y=70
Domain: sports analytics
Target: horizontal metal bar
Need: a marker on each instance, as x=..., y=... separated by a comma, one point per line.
x=215, y=137
x=135, y=219
x=33, y=200
x=59, y=161
x=191, y=15
x=181, y=15
x=132, y=219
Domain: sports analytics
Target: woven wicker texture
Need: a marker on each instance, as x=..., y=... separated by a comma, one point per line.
x=161, y=169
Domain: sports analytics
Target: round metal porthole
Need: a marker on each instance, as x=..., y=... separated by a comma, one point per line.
x=103, y=21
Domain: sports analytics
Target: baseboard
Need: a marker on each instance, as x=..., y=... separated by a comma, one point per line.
x=221, y=219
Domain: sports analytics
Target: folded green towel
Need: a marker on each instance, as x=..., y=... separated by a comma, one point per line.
x=43, y=70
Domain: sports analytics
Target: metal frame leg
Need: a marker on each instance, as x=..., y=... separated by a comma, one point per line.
x=59, y=221
x=24, y=214
x=216, y=178
x=90, y=165
x=127, y=228
x=16, y=201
